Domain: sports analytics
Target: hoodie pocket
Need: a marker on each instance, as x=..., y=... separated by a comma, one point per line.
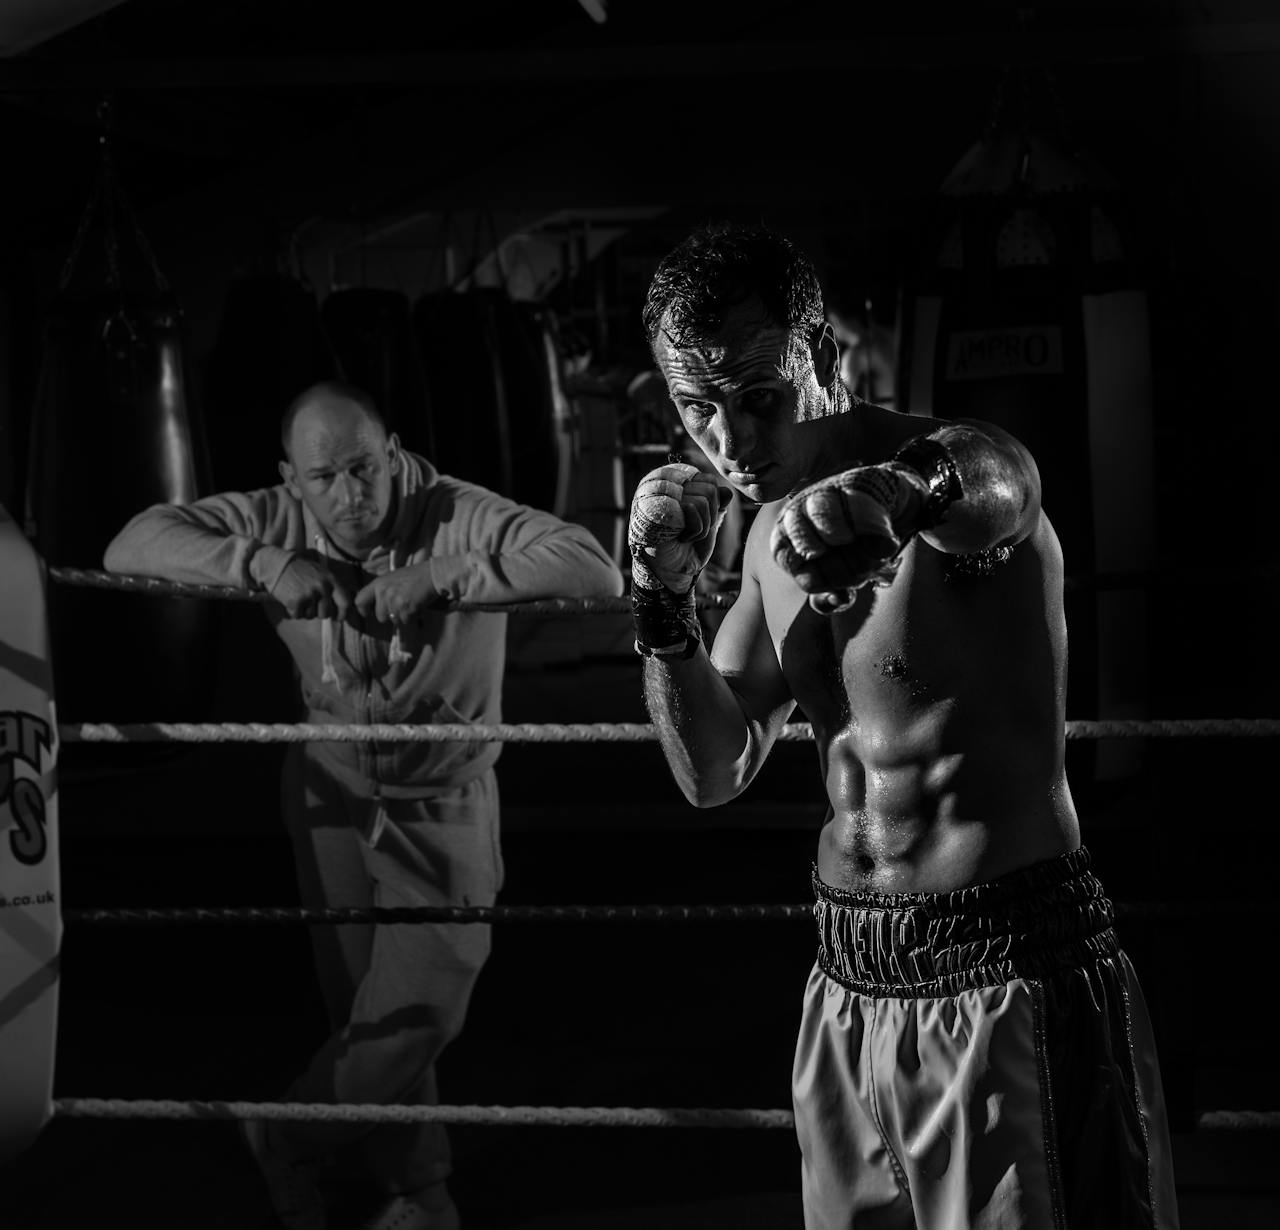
x=428, y=763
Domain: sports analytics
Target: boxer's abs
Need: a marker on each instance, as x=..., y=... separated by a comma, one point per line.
x=934, y=823
x=937, y=708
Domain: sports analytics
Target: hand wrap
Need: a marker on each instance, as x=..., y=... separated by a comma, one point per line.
x=862, y=520
x=666, y=623
x=664, y=571
x=930, y=460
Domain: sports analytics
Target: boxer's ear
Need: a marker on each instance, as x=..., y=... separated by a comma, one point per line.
x=826, y=355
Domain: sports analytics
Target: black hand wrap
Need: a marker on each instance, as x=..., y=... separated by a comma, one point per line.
x=666, y=623
x=933, y=463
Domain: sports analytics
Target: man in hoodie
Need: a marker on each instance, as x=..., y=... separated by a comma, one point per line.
x=360, y=545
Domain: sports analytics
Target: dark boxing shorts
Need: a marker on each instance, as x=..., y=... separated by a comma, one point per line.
x=981, y=1058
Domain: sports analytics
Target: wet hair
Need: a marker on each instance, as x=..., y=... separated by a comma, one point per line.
x=327, y=388
x=722, y=265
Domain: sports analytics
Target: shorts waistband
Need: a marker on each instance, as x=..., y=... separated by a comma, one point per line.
x=1027, y=924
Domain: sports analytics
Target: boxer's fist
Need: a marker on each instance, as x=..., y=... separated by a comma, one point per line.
x=848, y=531
x=307, y=589
x=675, y=514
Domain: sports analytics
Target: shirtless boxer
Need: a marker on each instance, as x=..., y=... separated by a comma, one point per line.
x=974, y=1049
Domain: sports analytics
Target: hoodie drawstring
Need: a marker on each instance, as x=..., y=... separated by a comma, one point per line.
x=397, y=652
x=328, y=673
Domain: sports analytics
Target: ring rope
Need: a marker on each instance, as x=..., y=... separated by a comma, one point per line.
x=577, y=732
x=156, y=587
x=300, y=915
x=94, y=579
x=509, y=1116
x=363, y=1112
x=254, y=915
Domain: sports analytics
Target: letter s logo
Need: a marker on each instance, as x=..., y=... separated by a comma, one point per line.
x=23, y=737
x=28, y=841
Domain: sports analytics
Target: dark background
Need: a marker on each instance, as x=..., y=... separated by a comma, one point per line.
x=396, y=146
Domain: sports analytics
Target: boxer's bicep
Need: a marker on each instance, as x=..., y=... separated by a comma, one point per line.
x=744, y=655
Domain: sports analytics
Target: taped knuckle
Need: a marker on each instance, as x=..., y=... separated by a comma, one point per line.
x=659, y=488
x=800, y=530
x=671, y=475
x=827, y=513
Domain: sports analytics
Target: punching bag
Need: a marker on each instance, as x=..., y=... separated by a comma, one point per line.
x=527, y=383
x=460, y=340
x=371, y=331
x=111, y=433
x=1028, y=312
x=270, y=346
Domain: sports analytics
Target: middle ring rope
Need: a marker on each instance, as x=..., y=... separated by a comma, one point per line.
x=576, y=732
x=155, y=586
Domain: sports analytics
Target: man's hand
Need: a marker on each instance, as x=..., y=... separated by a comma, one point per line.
x=675, y=514
x=307, y=589
x=396, y=597
x=848, y=531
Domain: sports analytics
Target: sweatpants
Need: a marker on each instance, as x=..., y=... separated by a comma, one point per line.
x=396, y=993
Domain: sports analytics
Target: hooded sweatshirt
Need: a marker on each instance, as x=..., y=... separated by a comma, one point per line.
x=479, y=547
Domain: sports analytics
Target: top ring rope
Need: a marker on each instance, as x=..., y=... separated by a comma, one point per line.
x=177, y=589
x=580, y=732
x=576, y=606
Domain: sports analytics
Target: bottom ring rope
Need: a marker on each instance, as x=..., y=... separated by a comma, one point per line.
x=513, y=1116
x=466, y=914
x=360, y=1112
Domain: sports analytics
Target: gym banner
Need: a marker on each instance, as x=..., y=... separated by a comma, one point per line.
x=987, y=354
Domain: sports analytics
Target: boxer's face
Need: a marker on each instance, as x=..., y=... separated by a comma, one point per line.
x=749, y=398
x=340, y=465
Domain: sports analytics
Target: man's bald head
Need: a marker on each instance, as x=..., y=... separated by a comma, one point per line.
x=329, y=400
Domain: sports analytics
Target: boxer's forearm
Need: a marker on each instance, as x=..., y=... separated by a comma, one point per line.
x=712, y=748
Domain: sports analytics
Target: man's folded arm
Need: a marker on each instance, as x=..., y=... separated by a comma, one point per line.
x=520, y=554
x=243, y=541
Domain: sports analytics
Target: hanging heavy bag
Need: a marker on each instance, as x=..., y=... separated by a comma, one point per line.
x=526, y=382
x=111, y=433
x=1028, y=312
x=371, y=331
x=461, y=353
x=270, y=346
